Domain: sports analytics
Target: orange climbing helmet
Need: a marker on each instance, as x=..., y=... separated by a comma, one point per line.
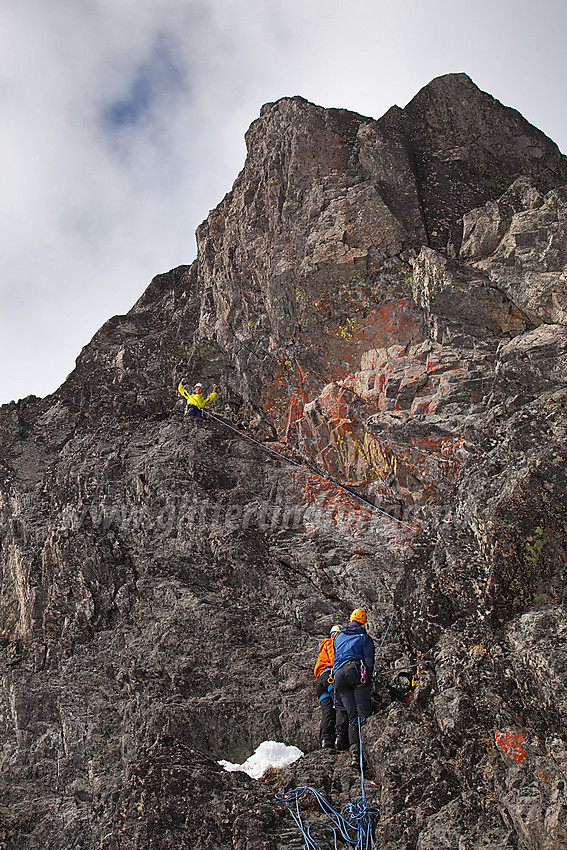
x=359, y=615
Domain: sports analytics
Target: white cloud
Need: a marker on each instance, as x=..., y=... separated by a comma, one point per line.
x=123, y=122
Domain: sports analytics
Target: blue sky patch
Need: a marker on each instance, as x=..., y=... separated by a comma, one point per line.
x=155, y=79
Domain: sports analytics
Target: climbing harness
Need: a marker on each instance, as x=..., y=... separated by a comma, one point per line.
x=405, y=681
x=353, y=825
x=329, y=689
x=403, y=684
x=303, y=466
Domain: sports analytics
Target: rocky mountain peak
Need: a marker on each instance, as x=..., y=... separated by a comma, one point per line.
x=382, y=304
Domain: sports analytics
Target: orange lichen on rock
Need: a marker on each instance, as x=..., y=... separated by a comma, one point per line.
x=511, y=744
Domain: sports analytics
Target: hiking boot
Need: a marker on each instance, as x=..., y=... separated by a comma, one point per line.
x=341, y=743
x=326, y=744
x=354, y=757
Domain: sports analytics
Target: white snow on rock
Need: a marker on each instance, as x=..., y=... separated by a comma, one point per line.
x=268, y=754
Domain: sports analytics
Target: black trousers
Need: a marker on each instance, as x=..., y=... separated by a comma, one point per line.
x=354, y=694
x=193, y=410
x=334, y=720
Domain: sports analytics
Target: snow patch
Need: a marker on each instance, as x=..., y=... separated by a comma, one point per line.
x=268, y=754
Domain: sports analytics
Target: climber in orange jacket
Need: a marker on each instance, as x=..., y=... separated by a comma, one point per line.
x=196, y=401
x=333, y=731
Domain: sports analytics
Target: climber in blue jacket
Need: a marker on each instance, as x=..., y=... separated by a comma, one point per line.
x=353, y=666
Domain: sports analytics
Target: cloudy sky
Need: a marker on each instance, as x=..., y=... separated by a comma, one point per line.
x=122, y=125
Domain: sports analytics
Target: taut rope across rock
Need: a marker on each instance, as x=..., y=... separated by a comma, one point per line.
x=303, y=466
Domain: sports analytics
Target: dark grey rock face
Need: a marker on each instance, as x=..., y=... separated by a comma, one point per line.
x=383, y=301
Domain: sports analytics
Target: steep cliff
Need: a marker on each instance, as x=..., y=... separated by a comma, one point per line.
x=384, y=302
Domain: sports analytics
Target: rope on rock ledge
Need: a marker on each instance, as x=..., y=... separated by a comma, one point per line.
x=302, y=466
x=353, y=825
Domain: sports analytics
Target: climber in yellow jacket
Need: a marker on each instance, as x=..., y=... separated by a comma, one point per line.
x=195, y=401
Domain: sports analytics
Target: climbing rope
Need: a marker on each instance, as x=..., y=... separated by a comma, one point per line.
x=385, y=634
x=353, y=825
x=303, y=466
x=251, y=439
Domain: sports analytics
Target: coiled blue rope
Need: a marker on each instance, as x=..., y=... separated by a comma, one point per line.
x=353, y=825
